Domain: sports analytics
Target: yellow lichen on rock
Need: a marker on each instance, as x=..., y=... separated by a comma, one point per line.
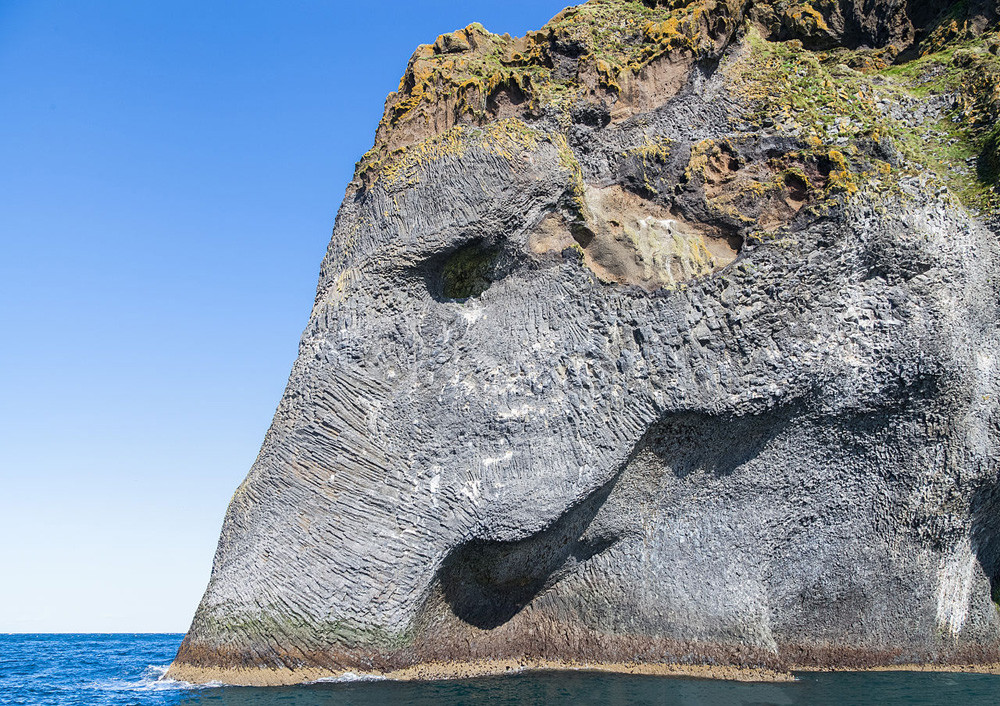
x=841, y=177
x=473, y=77
x=511, y=139
x=652, y=149
x=804, y=20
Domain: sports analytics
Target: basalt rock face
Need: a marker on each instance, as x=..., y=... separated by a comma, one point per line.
x=656, y=337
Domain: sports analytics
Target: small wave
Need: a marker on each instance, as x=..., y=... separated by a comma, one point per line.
x=155, y=672
x=153, y=678
x=349, y=677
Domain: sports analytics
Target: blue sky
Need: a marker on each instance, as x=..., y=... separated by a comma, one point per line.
x=169, y=176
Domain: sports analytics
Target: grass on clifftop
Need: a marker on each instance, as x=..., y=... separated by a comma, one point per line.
x=458, y=76
x=853, y=109
x=937, y=111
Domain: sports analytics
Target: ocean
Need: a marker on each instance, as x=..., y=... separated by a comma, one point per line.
x=125, y=670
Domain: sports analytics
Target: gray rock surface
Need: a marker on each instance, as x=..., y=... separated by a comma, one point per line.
x=487, y=451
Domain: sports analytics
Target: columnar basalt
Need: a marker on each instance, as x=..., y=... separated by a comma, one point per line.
x=664, y=336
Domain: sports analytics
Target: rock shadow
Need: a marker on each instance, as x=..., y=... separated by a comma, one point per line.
x=690, y=442
x=985, y=535
x=486, y=583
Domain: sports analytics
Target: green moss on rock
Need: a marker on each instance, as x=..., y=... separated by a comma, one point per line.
x=469, y=271
x=832, y=99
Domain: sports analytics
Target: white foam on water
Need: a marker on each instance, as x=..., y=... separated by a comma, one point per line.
x=152, y=679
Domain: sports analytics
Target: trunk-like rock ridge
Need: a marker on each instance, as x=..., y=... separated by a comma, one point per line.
x=664, y=338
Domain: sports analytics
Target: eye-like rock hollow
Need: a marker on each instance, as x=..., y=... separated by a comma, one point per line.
x=664, y=338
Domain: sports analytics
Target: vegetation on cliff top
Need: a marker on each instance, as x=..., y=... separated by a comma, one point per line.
x=472, y=76
x=937, y=112
x=863, y=112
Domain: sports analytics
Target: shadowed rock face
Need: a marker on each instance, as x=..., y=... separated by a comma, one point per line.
x=648, y=389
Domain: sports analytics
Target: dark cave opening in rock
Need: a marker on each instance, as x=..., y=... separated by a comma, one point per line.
x=486, y=583
x=465, y=272
x=468, y=272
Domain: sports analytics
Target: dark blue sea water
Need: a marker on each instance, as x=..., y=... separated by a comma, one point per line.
x=124, y=670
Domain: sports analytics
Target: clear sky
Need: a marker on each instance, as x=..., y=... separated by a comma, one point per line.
x=169, y=176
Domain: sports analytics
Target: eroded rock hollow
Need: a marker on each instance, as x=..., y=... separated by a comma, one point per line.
x=665, y=335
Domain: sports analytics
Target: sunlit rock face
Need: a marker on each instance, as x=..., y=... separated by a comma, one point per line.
x=607, y=369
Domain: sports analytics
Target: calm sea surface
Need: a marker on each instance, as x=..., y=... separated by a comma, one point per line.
x=99, y=670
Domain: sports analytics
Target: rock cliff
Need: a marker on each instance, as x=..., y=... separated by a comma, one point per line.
x=663, y=336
